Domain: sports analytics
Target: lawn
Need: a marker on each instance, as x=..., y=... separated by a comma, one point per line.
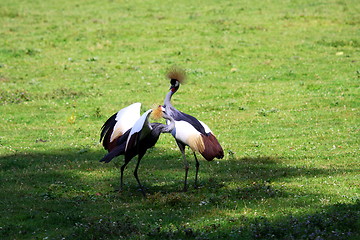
x=276, y=81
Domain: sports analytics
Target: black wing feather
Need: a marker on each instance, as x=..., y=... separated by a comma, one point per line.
x=106, y=130
x=180, y=116
x=119, y=150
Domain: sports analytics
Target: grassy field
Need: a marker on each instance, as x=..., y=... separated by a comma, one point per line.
x=276, y=81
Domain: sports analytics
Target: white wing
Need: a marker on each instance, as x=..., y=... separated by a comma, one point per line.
x=141, y=125
x=187, y=134
x=207, y=129
x=125, y=119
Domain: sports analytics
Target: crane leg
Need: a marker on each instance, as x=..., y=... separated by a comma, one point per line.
x=122, y=173
x=136, y=175
x=186, y=164
x=197, y=171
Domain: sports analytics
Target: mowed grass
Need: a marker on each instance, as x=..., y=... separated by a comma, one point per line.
x=277, y=82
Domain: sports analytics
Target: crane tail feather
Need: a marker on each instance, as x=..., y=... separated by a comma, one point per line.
x=212, y=147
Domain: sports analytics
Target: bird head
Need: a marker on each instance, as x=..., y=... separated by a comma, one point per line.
x=174, y=85
x=158, y=112
x=176, y=76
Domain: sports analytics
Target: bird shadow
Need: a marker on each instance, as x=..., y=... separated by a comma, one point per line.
x=159, y=169
x=68, y=183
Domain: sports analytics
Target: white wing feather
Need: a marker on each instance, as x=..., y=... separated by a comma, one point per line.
x=207, y=129
x=187, y=134
x=141, y=124
x=125, y=119
x=184, y=130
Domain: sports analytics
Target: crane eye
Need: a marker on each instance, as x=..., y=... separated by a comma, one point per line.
x=173, y=81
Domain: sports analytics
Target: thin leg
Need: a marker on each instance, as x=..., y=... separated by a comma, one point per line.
x=122, y=173
x=197, y=171
x=186, y=164
x=136, y=174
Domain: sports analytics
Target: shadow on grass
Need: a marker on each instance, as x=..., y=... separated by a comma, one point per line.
x=69, y=194
x=340, y=221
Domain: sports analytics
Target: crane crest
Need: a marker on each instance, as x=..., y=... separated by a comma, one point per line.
x=176, y=74
x=157, y=112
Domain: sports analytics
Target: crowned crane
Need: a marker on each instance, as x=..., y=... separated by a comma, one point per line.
x=190, y=131
x=120, y=139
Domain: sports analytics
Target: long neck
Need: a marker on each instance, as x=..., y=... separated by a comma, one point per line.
x=167, y=101
x=170, y=126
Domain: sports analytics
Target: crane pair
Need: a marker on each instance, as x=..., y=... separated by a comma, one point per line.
x=129, y=134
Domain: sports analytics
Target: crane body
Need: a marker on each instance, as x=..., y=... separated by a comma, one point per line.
x=189, y=131
x=136, y=140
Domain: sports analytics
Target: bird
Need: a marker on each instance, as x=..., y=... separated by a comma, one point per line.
x=137, y=139
x=188, y=130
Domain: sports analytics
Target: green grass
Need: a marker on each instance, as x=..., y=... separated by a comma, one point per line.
x=277, y=82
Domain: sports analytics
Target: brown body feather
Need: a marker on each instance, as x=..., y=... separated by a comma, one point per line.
x=207, y=145
x=212, y=147
x=196, y=143
x=112, y=145
x=110, y=140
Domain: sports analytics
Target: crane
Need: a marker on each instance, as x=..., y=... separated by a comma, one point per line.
x=188, y=130
x=136, y=139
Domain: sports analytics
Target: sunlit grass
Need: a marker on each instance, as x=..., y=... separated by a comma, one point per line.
x=278, y=83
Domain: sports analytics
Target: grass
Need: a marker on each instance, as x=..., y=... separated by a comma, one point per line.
x=277, y=82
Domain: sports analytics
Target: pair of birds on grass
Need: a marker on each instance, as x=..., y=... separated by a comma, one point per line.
x=129, y=134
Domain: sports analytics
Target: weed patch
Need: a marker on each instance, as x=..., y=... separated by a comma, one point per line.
x=16, y=96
